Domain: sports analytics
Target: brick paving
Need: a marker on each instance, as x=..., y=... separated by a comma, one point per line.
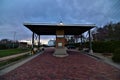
x=76, y=66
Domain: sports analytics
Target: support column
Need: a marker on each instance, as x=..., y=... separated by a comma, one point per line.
x=32, y=51
x=90, y=43
x=60, y=50
x=81, y=39
x=81, y=42
x=60, y=39
x=38, y=42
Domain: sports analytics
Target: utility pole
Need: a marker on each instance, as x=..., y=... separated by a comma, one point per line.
x=14, y=34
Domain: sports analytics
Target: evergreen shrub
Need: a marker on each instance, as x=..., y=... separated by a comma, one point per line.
x=116, y=55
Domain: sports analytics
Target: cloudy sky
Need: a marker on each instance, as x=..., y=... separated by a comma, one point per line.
x=13, y=13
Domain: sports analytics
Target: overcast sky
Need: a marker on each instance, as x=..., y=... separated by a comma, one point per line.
x=13, y=13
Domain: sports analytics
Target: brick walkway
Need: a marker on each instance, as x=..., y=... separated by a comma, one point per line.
x=74, y=67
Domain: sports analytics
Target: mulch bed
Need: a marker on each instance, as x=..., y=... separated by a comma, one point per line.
x=76, y=66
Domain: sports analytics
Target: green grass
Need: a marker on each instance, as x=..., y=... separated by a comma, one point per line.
x=9, y=52
x=13, y=60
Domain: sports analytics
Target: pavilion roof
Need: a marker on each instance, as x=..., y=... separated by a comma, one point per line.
x=50, y=29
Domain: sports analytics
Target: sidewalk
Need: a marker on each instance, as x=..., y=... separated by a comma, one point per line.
x=13, y=56
x=106, y=60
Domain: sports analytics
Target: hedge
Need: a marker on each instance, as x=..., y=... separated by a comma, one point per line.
x=105, y=47
x=116, y=55
x=8, y=46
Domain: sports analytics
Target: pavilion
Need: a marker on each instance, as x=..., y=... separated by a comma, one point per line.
x=59, y=30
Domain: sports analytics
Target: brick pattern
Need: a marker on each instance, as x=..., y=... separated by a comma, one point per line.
x=74, y=67
x=60, y=40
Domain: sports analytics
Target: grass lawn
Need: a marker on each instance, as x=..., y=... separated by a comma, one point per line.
x=8, y=52
x=13, y=60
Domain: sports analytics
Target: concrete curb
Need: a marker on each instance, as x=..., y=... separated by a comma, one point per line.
x=104, y=59
x=101, y=58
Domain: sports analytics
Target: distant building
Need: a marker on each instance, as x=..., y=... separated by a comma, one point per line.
x=51, y=43
x=23, y=45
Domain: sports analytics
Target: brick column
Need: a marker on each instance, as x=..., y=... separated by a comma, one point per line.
x=60, y=40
